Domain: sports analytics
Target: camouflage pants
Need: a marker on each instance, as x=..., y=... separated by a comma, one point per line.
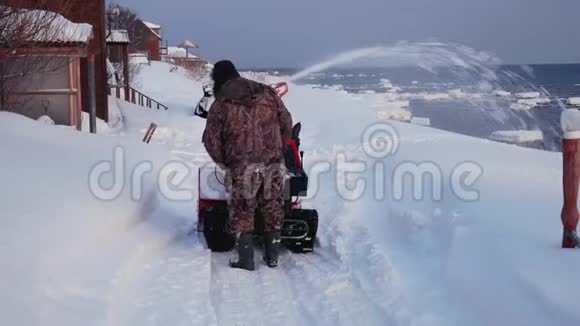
x=256, y=188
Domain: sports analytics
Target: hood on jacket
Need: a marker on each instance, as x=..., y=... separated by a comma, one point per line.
x=243, y=91
x=223, y=71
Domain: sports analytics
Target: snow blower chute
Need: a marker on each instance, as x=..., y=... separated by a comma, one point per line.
x=300, y=225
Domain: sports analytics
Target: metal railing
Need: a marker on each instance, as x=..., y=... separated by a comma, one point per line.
x=132, y=95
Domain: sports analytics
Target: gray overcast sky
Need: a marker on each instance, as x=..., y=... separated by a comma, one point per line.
x=296, y=33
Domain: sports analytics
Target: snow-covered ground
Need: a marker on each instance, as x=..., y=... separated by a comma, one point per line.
x=479, y=248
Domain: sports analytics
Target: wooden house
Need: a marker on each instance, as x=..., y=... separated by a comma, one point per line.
x=150, y=40
x=44, y=71
x=90, y=12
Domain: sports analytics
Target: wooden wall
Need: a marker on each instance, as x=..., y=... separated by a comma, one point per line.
x=82, y=11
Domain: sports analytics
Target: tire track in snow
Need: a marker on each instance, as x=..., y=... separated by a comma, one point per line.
x=233, y=294
x=279, y=297
x=332, y=293
x=263, y=297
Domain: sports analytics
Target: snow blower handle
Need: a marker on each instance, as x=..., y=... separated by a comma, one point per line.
x=201, y=110
x=281, y=89
x=207, y=90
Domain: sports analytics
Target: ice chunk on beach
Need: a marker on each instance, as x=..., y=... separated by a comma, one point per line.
x=403, y=104
x=575, y=101
x=534, y=102
x=396, y=114
x=528, y=103
x=421, y=121
x=387, y=84
x=518, y=136
x=520, y=107
x=501, y=93
x=528, y=95
x=428, y=97
x=457, y=93
x=436, y=97
x=542, y=100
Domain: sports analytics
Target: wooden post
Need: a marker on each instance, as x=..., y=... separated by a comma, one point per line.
x=74, y=93
x=149, y=133
x=3, y=104
x=571, y=182
x=79, y=94
x=126, y=69
x=71, y=97
x=92, y=96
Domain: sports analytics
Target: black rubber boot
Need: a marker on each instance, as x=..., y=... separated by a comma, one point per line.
x=271, y=248
x=245, y=260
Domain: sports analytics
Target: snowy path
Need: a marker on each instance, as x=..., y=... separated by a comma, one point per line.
x=313, y=289
x=323, y=288
x=349, y=279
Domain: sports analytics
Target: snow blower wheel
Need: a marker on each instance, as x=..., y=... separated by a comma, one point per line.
x=299, y=231
x=215, y=229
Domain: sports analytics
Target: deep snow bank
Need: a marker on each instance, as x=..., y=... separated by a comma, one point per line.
x=68, y=256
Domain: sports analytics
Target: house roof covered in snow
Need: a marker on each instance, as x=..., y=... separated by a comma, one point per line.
x=119, y=36
x=154, y=28
x=152, y=25
x=58, y=28
x=177, y=52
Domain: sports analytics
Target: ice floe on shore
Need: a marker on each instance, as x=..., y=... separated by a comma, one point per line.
x=518, y=137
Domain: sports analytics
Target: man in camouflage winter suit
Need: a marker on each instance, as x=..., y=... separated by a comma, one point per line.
x=248, y=128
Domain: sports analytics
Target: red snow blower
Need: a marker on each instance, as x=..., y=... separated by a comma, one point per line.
x=300, y=225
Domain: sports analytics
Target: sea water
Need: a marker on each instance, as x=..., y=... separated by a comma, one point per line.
x=433, y=74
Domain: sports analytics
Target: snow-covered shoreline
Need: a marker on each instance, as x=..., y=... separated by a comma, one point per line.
x=73, y=259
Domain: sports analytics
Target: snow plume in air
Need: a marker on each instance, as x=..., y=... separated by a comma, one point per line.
x=427, y=56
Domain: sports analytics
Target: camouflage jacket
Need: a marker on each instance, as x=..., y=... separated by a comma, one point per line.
x=247, y=123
